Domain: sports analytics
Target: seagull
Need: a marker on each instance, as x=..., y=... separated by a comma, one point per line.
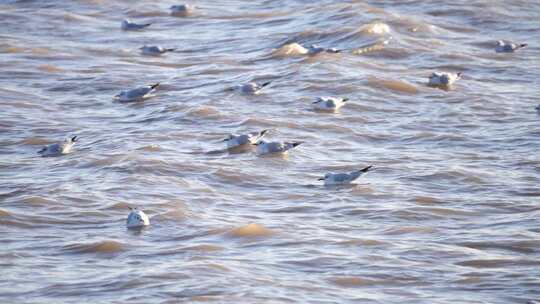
x=251, y=88
x=343, y=178
x=182, y=10
x=234, y=141
x=274, y=147
x=137, y=219
x=508, y=47
x=136, y=94
x=58, y=149
x=154, y=50
x=443, y=79
x=127, y=25
x=315, y=49
x=329, y=103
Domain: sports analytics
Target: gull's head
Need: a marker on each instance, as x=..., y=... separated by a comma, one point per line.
x=137, y=219
x=229, y=137
x=459, y=74
x=260, y=142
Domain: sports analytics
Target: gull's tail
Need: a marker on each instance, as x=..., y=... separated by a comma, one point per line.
x=345, y=99
x=366, y=169
x=295, y=144
x=146, y=24
x=261, y=134
x=74, y=139
x=459, y=74
x=42, y=150
x=522, y=45
x=170, y=50
x=265, y=84
x=153, y=86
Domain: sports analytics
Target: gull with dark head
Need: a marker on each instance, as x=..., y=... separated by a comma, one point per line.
x=252, y=138
x=127, y=25
x=58, y=149
x=137, y=219
x=508, y=47
x=250, y=88
x=136, y=94
x=182, y=10
x=329, y=103
x=154, y=50
x=275, y=147
x=443, y=79
x=331, y=179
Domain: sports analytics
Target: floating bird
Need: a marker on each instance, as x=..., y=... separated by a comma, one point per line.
x=252, y=138
x=329, y=103
x=443, y=79
x=343, y=178
x=136, y=94
x=275, y=147
x=137, y=219
x=251, y=88
x=182, y=10
x=508, y=47
x=315, y=49
x=154, y=50
x=127, y=25
x=58, y=149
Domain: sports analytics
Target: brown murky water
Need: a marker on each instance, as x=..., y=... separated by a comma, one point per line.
x=448, y=215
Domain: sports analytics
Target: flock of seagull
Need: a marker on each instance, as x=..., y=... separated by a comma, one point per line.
x=137, y=218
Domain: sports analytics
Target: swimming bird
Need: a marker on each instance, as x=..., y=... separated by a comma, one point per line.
x=182, y=10
x=127, y=25
x=137, y=219
x=329, y=103
x=315, y=49
x=252, y=138
x=136, y=94
x=154, y=50
x=275, y=147
x=443, y=79
x=58, y=149
x=343, y=178
x=251, y=88
x=508, y=47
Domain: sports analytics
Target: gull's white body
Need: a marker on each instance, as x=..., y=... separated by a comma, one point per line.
x=234, y=141
x=508, y=47
x=182, y=10
x=251, y=88
x=329, y=103
x=127, y=25
x=343, y=178
x=136, y=94
x=154, y=50
x=275, y=147
x=137, y=219
x=443, y=79
x=58, y=149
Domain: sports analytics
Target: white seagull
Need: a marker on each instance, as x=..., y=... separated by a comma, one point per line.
x=252, y=138
x=137, y=219
x=182, y=10
x=127, y=25
x=315, y=49
x=343, y=178
x=58, y=149
x=329, y=103
x=508, y=47
x=275, y=147
x=154, y=50
x=443, y=79
x=136, y=94
x=251, y=88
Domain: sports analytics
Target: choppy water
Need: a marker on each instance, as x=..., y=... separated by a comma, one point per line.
x=449, y=215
